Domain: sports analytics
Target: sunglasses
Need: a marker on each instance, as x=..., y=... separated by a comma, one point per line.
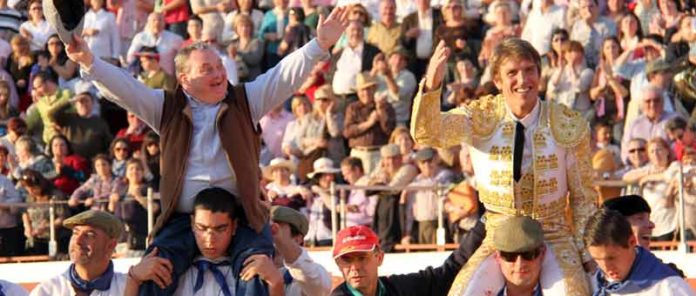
x=636, y=150
x=527, y=256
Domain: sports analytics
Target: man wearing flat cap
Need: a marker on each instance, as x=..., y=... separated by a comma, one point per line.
x=520, y=249
x=94, y=237
x=301, y=274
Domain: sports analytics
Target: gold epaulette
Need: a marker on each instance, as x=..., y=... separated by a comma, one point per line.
x=567, y=126
x=486, y=113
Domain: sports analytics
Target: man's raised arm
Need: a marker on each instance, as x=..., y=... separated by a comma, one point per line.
x=118, y=85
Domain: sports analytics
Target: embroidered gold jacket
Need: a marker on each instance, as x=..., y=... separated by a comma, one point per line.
x=559, y=179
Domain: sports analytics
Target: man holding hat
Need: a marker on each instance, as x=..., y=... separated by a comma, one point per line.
x=94, y=237
x=301, y=274
x=368, y=122
x=358, y=255
x=319, y=205
x=88, y=133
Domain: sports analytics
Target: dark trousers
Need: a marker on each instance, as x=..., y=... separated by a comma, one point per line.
x=177, y=243
x=386, y=221
x=11, y=241
x=179, y=29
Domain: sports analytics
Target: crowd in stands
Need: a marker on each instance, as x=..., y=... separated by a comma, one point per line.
x=628, y=66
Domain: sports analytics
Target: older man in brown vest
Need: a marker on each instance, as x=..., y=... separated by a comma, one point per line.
x=208, y=130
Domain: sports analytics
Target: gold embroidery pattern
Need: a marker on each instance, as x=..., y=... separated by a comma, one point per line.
x=567, y=126
x=501, y=178
x=508, y=130
x=582, y=196
x=486, y=112
x=500, y=153
x=539, y=140
x=494, y=199
x=546, y=162
x=546, y=186
x=430, y=127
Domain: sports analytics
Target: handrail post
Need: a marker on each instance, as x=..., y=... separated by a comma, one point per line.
x=334, y=220
x=52, y=245
x=342, y=203
x=683, y=247
x=440, y=234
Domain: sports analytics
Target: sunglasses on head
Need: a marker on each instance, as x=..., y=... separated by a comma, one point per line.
x=527, y=256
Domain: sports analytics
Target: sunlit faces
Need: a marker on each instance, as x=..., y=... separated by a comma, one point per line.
x=518, y=80
x=614, y=261
x=367, y=94
x=359, y=269
x=89, y=244
x=521, y=270
x=637, y=153
x=59, y=147
x=642, y=228
x=102, y=167
x=653, y=104
x=213, y=232
x=134, y=172
x=206, y=78
x=610, y=49
x=658, y=153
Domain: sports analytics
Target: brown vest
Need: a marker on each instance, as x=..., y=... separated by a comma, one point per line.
x=239, y=139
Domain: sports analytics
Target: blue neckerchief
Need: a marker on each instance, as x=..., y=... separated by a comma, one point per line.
x=645, y=272
x=102, y=283
x=202, y=266
x=537, y=290
x=287, y=277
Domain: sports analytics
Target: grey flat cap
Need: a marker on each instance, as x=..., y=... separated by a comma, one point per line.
x=65, y=16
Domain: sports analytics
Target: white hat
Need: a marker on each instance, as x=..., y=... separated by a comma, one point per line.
x=278, y=162
x=323, y=165
x=66, y=18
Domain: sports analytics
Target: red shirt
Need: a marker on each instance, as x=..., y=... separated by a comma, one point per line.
x=177, y=15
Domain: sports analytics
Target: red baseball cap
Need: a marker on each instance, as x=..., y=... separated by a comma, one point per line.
x=355, y=239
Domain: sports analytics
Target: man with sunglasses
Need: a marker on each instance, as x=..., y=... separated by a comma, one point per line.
x=625, y=268
x=520, y=249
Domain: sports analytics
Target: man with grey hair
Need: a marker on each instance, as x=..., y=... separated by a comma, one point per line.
x=154, y=35
x=212, y=123
x=651, y=123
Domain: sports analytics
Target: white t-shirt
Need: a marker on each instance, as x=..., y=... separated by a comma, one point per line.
x=39, y=33
x=60, y=286
x=671, y=286
x=210, y=287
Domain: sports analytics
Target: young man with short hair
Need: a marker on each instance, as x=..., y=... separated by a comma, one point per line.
x=624, y=267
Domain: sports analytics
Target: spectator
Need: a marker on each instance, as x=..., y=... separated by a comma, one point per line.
x=274, y=125
x=570, y=83
x=608, y=90
x=59, y=62
x=128, y=201
x=153, y=75
x=396, y=83
x=16, y=127
x=651, y=124
x=120, y=153
x=296, y=32
x=281, y=190
x=10, y=21
x=304, y=138
x=401, y=136
x=637, y=212
x=101, y=33
x=357, y=12
x=667, y=21
x=460, y=33
x=244, y=8
x=95, y=192
x=211, y=12
x=660, y=74
x=272, y=31
x=10, y=229
x=605, y=140
x=154, y=35
x=319, y=205
x=393, y=172
x=249, y=48
x=19, y=65
x=194, y=29
x=611, y=243
x=422, y=206
x=150, y=157
x=135, y=131
x=36, y=29
x=308, y=277
x=309, y=8
x=637, y=158
x=129, y=12
x=502, y=28
x=356, y=57
x=36, y=218
x=360, y=208
x=417, y=34
x=591, y=29
x=71, y=168
x=49, y=97
x=326, y=108
x=553, y=59
x=462, y=89
x=616, y=9
x=88, y=133
x=683, y=135
x=7, y=111
x=94, y=236
x=653, y=181
x=368, y=123
x=543, y=20
x=630, y=33
x=386, y=33
x=234, y=66
x=175, y=15
x=29, y=157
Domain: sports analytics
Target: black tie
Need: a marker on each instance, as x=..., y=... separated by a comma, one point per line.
x=519, y=148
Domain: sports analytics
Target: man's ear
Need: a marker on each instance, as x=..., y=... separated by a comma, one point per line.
x=380, y=257
x=632, y=242
x=233, y=225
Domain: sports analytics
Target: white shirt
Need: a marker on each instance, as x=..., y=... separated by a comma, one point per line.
x=670, y=286
x=347, y=68
x=187, y=281
x=530, y=123
x=61, y=286
x=39, y=33
x=230, y=65
x=540, y=26
x=12, y=289
x=424, y=42
x=308, y=277
x=107, y=42
x=167, y=45
x=228, y=33
x=207, y=163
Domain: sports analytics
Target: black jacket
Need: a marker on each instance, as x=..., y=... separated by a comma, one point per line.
x=430, y=281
